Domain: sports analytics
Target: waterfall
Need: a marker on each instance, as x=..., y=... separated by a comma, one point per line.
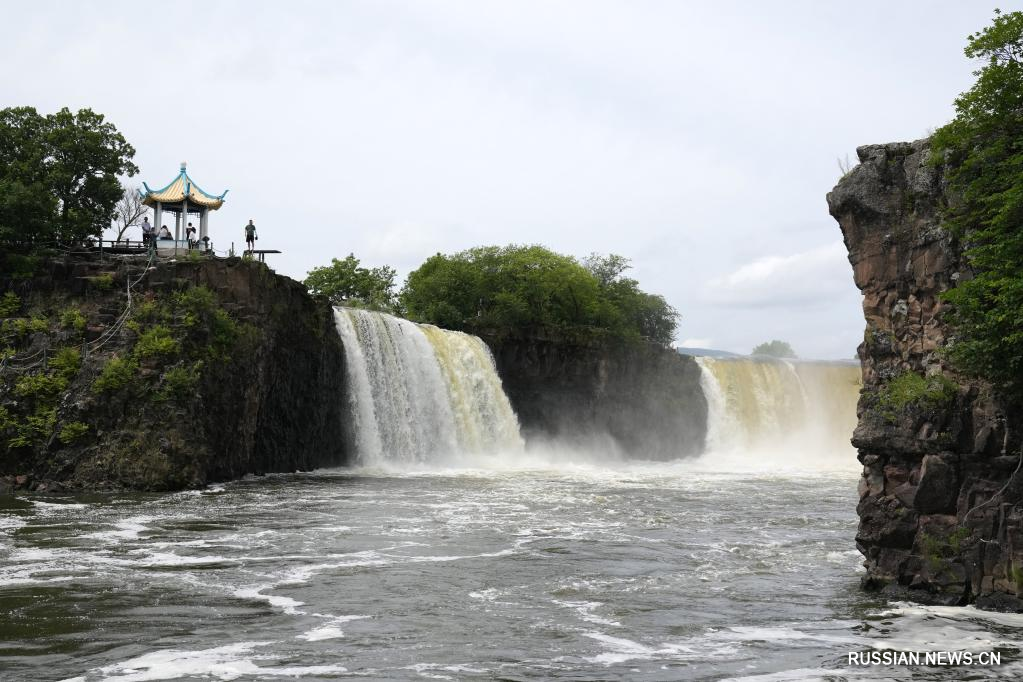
x=418, y=393
x=763, y=405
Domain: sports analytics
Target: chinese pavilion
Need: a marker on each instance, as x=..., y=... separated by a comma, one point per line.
x=183, y=198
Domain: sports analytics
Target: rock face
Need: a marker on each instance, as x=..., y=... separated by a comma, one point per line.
x=639, y=400
x=939, y=519
x=269, y=400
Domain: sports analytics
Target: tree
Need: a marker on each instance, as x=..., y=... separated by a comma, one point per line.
x=129, y=210
x=520, y=289
x=346, y=282
x=982, y=148
x=59, y=174
x=775, y=349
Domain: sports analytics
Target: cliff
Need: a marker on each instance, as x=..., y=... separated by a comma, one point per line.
x=939, y=519
x=213, y=370
x=637, y=399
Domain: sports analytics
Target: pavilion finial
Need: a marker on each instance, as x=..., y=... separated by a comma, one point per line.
x=183, y=166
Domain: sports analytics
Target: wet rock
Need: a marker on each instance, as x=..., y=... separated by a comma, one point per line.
x=944, y=464
x=938, y=487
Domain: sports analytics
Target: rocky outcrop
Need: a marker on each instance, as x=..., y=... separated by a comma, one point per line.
x=939, y=514
x=217, y=368
x=636, y=399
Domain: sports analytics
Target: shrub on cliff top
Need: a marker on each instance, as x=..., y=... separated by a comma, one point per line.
x=983, y=146
x=346, y=282
x=511, y=288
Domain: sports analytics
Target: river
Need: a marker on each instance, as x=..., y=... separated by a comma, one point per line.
x=574, y=571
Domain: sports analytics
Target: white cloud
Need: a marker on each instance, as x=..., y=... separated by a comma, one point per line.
x=807, y=278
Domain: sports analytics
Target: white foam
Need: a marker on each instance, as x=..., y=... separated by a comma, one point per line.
x=229, y=662
x=585, y=610
x=286, y=604
x=126, y=529
x=331, y=631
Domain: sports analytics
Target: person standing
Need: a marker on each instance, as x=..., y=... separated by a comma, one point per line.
x=147, y=231
x=190, y=236
x=250, y=236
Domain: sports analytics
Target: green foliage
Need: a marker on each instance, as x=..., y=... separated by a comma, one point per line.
x=44, y=387
x=18, y=265
x=513, y=288
x=209, y=325
x=909, y=388
x=116, y=374
x=939, y=550
x=346, y=282
x=179, y=382
x=983, y=148
x=147, y=311
x=72, y=432
x=35, y=429
x=66, y=362
x=775, y=349
x=9, y=304
x=72, y=318
x=156, y=342
x=58, y=174
x=22, y=326
x=104, y=282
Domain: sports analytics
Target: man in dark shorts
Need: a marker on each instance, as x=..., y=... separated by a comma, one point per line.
x=250, y=236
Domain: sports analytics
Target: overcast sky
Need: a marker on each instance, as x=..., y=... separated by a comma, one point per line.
x=696, y=138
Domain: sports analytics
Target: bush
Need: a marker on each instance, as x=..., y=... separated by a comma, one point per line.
x=156, y=342
x=116, y=374
x=104, y=282
x=66, y=362
x=72, y=318
x=36, y=428
x=179, y=382
x=909, y=388
x=71, y=432
x=42, y=387
x=9, y=304
x=22, y=327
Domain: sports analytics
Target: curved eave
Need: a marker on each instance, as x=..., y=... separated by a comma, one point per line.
x=177, y=191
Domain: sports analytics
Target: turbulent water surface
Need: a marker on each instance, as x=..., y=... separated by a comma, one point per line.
x=585, y=572
x=455, y=553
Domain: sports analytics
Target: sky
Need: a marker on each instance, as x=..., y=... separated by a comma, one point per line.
x=698, y=139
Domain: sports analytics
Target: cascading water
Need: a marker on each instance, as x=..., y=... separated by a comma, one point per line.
x=792, y=408
x=419, y=393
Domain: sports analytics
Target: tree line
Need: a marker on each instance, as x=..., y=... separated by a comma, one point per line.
x=508, y=290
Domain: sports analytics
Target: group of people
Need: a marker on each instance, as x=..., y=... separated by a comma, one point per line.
x=150, y=234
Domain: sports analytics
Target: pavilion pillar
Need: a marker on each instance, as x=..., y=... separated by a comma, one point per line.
x=182, y=223
x=157, y=217
x=204, y=222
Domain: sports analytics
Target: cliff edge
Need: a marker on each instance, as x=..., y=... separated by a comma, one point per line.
x=208, y=370
x=938, y=508
x=637, y=399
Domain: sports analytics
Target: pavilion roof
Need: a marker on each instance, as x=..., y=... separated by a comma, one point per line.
x=179, y=189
